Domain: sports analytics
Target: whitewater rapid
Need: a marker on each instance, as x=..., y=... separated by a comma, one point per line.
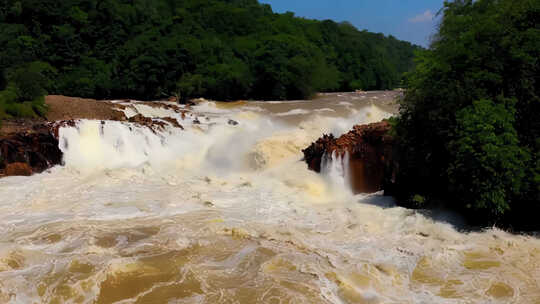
x=225, y=213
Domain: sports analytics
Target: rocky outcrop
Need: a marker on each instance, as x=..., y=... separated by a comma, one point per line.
x=18, y=169
x=162, y=105
x=28, y=153
x=173, y=121
x=55, y=127
x=155, y=124
x=370, y=149
x=142, y=120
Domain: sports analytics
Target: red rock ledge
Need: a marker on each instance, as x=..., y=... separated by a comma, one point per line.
x=370, y=152
x=29, y=152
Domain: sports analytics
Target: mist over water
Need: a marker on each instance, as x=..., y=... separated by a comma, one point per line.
x=222, y=213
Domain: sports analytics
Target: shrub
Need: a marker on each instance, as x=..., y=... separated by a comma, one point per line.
x=488, y=166
x=25, y=90
x=30, y=81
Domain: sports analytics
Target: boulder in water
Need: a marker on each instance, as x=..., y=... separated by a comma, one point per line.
x=56, y=126
x=148, y=122
x=173, y=121
x=369, y=148
x=141, y=120
x=18, y=169
x=27, y=153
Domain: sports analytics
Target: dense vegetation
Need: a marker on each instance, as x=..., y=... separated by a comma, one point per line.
x=23, y=95
x=222, y=49
x=470, y=129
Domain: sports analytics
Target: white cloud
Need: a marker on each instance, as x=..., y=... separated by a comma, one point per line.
x=424, y=17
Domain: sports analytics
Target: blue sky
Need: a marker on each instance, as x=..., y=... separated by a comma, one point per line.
x=411, y=20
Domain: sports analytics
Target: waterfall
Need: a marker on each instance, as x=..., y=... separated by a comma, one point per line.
x=94, y=145
x=336, y=169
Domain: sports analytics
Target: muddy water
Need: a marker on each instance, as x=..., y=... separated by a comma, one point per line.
x=223, y=213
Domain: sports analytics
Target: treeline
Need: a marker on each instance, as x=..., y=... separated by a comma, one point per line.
x=470, y=124
x=222, y=49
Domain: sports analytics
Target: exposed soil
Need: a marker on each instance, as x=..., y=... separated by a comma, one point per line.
x=67, y=108
x=62, y=108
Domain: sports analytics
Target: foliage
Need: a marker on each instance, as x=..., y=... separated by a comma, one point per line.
x=222, y=49
x=418, y=200
x=469, y=127
x=25, y=90
x=488, y=168
x=29, y=81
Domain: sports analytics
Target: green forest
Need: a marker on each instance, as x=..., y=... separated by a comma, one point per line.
x=469, y=129
x=151, y=49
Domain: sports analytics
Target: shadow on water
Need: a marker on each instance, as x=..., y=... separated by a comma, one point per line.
x=471, y=223
x=444, y=215
x=378, y=200
x=435, y=213
x=460, y=222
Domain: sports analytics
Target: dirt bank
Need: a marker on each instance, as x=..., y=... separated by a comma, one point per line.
x=67, y=108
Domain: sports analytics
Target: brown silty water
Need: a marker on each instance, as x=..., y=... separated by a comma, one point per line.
x=224, y=213
x=327, y=104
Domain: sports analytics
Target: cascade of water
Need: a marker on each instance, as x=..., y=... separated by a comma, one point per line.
x=95, y=145
x=335, y=167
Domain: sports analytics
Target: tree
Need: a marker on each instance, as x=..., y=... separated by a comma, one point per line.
x=488, y=169
x=461, y=139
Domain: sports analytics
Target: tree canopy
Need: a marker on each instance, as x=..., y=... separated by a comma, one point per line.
x=470, y=127
x=221, y=49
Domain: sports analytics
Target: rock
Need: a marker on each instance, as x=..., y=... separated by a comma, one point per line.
x=120, y=106
x=370, y=149
x=155, y=125
x=161, y=105
x=173, y=121
x=147, y=122
x=18, y=169
x=196, y=121
x=233, y=122
x=31, y=152
x=55, y=127
x=141, y=119
x=19, y=125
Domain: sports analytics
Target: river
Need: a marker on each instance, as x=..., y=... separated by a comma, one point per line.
x=228, y=213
